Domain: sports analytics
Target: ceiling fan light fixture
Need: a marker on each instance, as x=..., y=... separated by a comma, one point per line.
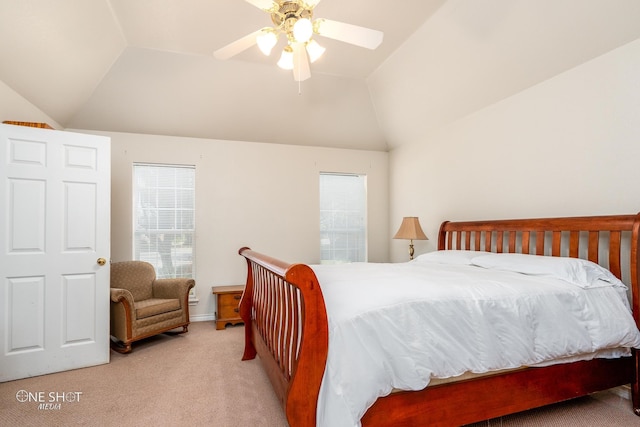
x=267, y=40
x=286, y=59
x=294, y=19
x=314, y=50
x=302, y=30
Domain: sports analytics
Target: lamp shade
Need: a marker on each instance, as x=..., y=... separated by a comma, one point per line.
x=286, y=59
x=410, y=229
x=266, y=41
x=314, y=50
x=302, y=30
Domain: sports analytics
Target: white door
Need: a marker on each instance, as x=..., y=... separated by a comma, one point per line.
x=54, y=226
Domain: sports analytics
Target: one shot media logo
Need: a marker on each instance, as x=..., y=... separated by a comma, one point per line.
x=52, y=400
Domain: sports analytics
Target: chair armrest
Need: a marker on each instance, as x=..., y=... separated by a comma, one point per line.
x=122, y=316
x=118, y=294
x=124, y=297
x=172, y=288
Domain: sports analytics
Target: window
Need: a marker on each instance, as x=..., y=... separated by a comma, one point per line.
x=343, y=218
x=164, y=218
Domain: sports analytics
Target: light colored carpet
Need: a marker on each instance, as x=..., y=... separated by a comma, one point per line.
x=198, y=379
x=192, y=379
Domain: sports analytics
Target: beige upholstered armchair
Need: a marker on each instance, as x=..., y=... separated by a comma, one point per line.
x=142, y=306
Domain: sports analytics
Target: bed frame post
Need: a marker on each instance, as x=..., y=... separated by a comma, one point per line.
x=635, y=384
x=635, y=306
x=245, y=312
x=306, y=378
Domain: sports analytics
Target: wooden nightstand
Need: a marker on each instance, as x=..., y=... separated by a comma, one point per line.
x=227, y=301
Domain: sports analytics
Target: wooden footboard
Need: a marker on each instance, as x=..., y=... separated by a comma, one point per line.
x=286, y=325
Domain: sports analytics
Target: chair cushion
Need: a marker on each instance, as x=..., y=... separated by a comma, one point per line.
x=152, y=306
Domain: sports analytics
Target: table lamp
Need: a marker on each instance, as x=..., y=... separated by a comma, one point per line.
x=410, y=229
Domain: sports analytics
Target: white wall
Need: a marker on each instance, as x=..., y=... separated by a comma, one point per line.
x=248, y=194
x=265, y=196
x=567, y=146
x=471, y=54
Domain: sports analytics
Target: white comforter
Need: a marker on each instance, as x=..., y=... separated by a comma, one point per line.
x=442, y=320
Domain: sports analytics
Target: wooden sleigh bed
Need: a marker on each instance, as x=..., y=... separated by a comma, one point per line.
x=286, y=325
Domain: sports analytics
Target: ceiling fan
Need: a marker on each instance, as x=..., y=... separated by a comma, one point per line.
x=293, y=18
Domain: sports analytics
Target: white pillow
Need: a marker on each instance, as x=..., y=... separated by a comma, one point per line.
x=580, y=272
x=452, y=257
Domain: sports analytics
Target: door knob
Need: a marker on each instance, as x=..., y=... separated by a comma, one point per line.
x=102, y=261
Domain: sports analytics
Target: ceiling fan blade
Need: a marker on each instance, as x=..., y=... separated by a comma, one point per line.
x=301, y=70
x=237, y=46
x=266, y=5
x=312, y=3
x=348, y=33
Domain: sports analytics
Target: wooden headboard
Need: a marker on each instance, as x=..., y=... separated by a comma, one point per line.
x=611, y=241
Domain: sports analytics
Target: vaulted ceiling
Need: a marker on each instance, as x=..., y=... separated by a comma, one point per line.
x=146, y=66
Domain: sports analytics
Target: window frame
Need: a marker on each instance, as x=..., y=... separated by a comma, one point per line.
x=181, y=233
x=361, y=247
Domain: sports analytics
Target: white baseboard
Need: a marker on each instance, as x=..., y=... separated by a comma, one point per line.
x=202, y=317
x=623, y=391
